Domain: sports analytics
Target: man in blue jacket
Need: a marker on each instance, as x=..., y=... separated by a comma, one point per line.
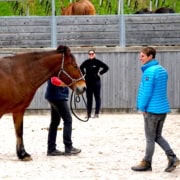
x=152, y=101
x=57, y=95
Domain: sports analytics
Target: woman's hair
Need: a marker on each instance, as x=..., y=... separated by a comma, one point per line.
x=149, y=51
x=91, y=50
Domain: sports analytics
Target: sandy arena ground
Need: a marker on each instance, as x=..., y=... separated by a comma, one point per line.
x=110, y=146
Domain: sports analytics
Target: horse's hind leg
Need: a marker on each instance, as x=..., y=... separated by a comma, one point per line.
x=18, y=124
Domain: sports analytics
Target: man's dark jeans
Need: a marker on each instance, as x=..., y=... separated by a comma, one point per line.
x=153, y=125
x=60, y=109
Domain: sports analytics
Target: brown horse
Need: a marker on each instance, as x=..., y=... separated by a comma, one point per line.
x=82, y=7
x=21, y=75
x=157, y=11
x=164, y=10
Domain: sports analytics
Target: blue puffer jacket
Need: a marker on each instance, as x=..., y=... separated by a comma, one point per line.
x=55, y=93
x=152, y=94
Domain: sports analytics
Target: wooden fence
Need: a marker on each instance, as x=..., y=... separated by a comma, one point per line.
x=103, y=33
x=36, y=32
x=120, y=83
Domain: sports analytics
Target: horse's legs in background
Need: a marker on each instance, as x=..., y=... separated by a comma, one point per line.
x=18, y=124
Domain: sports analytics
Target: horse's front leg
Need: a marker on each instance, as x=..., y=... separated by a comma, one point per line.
x=18, y=124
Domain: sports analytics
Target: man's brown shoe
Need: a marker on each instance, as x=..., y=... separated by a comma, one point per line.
x=173, y=161
x=142, y=166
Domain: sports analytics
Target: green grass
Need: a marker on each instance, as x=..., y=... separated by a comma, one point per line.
x=5, y=9
x=37, y=9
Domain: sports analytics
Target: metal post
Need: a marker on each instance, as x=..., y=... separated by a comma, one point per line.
x=119, y=7
x=150, y=5
x=122, y=25
x=53, y=27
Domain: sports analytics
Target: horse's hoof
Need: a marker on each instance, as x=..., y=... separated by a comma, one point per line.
x=27, y=158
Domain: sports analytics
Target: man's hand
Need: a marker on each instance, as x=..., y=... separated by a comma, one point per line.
x=57, y=82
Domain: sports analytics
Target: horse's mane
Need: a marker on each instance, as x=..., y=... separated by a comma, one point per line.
x=60, y=49
x=63, y=49
x=29, y=55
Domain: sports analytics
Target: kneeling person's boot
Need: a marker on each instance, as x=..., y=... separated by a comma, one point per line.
x=142, y=166
x=173, y=161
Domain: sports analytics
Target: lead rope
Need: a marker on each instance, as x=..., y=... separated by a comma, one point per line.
x=77, y=100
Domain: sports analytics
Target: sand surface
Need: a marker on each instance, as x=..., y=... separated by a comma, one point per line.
x=110, y=146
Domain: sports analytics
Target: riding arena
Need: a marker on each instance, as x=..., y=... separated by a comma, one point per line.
x=110, y=144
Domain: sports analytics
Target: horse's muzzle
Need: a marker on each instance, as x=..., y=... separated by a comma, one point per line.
x=79, y=90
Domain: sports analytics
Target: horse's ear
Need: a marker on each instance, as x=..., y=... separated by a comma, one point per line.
x=63, y=49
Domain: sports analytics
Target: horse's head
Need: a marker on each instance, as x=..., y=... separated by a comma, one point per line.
x=63, y=9
x=70, y=72
x=66, y=10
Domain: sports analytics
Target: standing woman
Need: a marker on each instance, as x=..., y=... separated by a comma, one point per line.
x=92, y=68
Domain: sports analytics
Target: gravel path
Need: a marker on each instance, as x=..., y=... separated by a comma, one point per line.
x=110, y=145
